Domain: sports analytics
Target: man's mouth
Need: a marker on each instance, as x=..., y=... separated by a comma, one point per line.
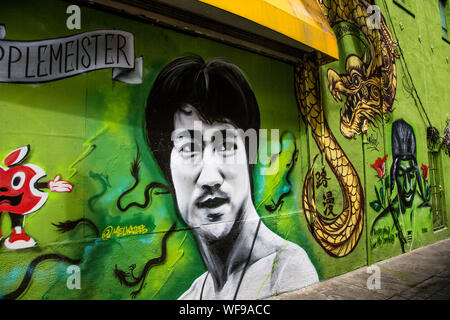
x=212, y=203
x=12, y=200
x=214, y=217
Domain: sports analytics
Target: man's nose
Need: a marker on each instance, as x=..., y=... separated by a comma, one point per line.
x=3, y=189
x=210, y=178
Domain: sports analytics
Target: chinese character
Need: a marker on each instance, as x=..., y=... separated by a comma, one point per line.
x=328, y=203
x=322, y=179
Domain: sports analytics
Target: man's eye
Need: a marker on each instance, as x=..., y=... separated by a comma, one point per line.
x=190, y=148
x=187, y=147
x=227, y=147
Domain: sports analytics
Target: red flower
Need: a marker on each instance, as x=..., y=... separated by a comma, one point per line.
x=424, y=171
x=379, y=165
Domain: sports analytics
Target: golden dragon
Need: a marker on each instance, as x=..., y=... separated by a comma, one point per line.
x=340, y=235
x=370, y=82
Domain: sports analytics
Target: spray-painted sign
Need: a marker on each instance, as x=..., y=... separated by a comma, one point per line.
x=53, y=59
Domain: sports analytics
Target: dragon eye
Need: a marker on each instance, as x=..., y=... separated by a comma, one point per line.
x=355, y=80
x=18, y=180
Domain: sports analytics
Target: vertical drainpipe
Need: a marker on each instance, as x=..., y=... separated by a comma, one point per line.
x=363, y=145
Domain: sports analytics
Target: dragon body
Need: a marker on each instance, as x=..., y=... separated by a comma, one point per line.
x=338, y=236
x=369, y=85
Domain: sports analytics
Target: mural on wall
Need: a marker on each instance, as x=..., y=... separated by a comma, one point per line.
x=369, y=82
x=171, y=202
x=214, y=196
x=271, y=197
x=369, y=85
x=53, y=59
x=128, y=278
x=195, y=114
x=150, y=189
x=278, y=186
x=404, y=214
x=21, y=194
x=243, y=257
x=123, y=276
x=25, y=283
x=340, y=234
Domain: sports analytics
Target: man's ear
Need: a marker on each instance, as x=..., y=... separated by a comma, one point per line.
x=16, y=156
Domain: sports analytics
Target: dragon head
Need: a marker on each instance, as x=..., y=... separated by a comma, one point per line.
x=361, y=87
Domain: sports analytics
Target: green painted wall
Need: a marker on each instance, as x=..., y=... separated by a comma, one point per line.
x=426, y=61
x=87, y=129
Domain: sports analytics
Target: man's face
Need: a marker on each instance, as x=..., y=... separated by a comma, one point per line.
x=406, y=181
x=209, y=171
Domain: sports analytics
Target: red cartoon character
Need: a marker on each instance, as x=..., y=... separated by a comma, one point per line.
x=20, y=194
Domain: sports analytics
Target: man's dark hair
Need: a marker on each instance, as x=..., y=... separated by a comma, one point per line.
x=217, y=89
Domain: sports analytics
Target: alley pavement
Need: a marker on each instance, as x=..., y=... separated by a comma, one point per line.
x=422, y=274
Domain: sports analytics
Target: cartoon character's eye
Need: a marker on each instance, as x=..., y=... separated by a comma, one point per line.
x=18, y=180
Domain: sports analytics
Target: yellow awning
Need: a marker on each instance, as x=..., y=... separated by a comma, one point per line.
x=301, y=20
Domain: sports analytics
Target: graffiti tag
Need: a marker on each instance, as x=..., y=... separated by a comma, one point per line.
x=123, y=231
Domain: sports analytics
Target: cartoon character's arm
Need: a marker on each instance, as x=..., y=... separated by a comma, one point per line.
x=55, y=185
x=17, y=156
